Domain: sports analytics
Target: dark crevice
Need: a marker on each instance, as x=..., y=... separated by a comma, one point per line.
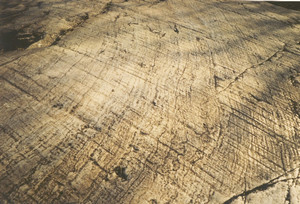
x=295, y=82
x=216, y=81
x=18, y=40
x=259, y=99
x=97, y=164
x=295, y=108
x=107, y=7
x=288, y=196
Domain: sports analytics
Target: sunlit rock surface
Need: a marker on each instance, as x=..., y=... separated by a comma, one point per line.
x=155, y=101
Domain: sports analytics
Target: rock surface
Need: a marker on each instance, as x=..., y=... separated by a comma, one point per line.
x=153, y=101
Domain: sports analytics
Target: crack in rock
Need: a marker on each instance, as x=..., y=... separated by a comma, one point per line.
x=241, y=75
x=259, y=188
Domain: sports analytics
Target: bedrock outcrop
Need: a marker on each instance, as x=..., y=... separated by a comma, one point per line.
x=154, y=101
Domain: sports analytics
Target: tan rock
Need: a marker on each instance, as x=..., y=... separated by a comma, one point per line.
x=175, y=101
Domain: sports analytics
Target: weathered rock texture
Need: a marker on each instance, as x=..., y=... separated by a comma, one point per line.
x=155, y=101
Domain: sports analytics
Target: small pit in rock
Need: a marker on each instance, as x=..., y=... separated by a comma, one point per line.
x=121, y=172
